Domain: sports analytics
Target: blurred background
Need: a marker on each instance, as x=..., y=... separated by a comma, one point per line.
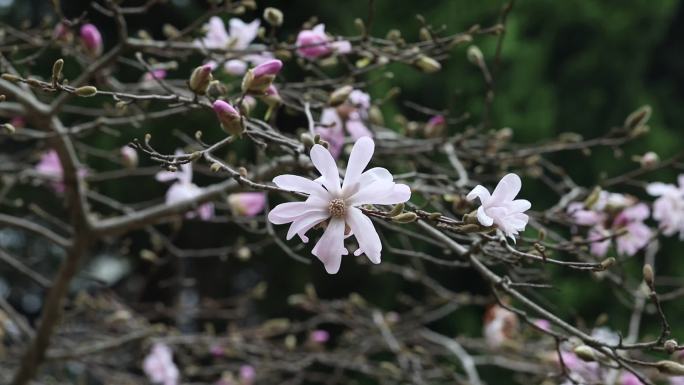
x=565, y=67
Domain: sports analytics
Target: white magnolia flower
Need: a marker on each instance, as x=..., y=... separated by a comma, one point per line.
x=183, y=189
x=499, y=208
x=239, y=36
x=668, y=209
x=338, y=206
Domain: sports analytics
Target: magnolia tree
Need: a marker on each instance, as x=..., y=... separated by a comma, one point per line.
x=423, y=201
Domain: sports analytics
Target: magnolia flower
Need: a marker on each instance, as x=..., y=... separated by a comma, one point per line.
x=627, y=378
x=338, y=206
x=247, y=204
x=600, y=240
x=91, y=39
x=51, y=167
x=183, y=189
x=350, y=116
x=668, y=209
x=331, y=131
x=500, y=208
x=314, y=43
x=154, y=75
x=228, y=116
x=581, y=371
x=584, y=217
x=500, y=325
x=247, y=375
x=159, y=366
x=240, y=37
x=319, y=336
x=260, y=78
x=637, y=233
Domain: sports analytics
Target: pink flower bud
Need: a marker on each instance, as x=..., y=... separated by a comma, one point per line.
x=62, y=32
x=247, y=374
x=248, y=204
x=271, y=67
x=200, y=79
x=129, y=157
x=154, y=74
x=91, y=39
x=313, y=43
x=319, y=336
x=228, y=116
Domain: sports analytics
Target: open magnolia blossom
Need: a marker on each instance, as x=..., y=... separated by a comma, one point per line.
x=159, y=366
x=184, y=189
x=239, y=36
x=314, y=43
x=350, y=116
x=668, y=209
x=500, y=208
x=338, y=206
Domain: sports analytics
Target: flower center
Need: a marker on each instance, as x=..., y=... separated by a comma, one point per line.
x=337, y=208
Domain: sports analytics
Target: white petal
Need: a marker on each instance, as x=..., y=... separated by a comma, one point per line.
x=483, y=218
x=372, y=193
x=519, y=205
x=359, y=158
x=305, y=222
x=288, y=212
x=507, y=189
x=658, y=188
x=400, y=193
x=479, y=192
x=329, y=248
x=300, y=184
x=376, y=173
x=365, y=234
x=325, y=164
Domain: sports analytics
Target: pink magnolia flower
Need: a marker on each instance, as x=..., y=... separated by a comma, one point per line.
x=338, y=206
x=679, y=380
x=62, y=32
x=580, y=370
x=668, y=209
x=584, y=217
x=228, y=116
x=637, y=233
x=331, y=131
x=500, y=208
x=18, y=121
x=247, y=204
x=627, y=378
x=154, y=74
x=183, y=189
x=499, y=326
x=268, y=68
x=91, y=39
x=50, y=166
x=159, y=366
x=247, y=374
x=543, y=324
x=600, y=238
x=314, y=43
x=319, y=336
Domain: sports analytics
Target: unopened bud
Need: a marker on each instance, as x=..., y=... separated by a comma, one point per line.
x=585, y=353
x=424, y=34
x=647, y=271
x=375, y=116
x=200, y=79
x=428, y=64
x=405, y=217
x=9, y=128
x=396, y=210
x=608, y=262
x=170, y=31
x=229, y=117
x=86, y=91
x=593, y=198
x=258, y=79
x=649, y=159
x=2, y=98
x=670, y=346
x=471, y=218
x=10, y=77
x=307, y=140
x=195, y=155
x=474, y=55
x=242, y=171
x=215, y=167
x=273, y=16
x=91, y=39
x=57, y=70
x=129, y=157
x=271, y=96
x=638, y=118
x=670, y=367
x=340, y=95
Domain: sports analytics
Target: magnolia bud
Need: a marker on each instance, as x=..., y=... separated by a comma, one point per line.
x=170, y=31
x=229, y=117
x=649, y=159
x=585, y=353
x=91, y=39
x=608, y=262
x=215, y=167
x=424, y=34
x=396, y=210
x=670, y=346
x=340, y=95
x=648, y=275
x=638, y=117
x=273, y=16
x=200, y=79
x=247, y=105
x=2, y=98
x=271, y=96
x=57, y=70
x=670, y=367
x=10, y=77
x=434, y=128
x=475, y=55
x=428, y=64
x=10, y=128
x=375, y=116
x=260, y=78
x=129, y=157
x=593, y=197
x=86, y=91
x=405, y=217
x=307, y=140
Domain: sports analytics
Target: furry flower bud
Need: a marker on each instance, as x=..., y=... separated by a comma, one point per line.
x=200, y=79
x=273, y=16
x=428, y=64
x=86, y=91
x=260, y=78
x=229, y=117
x=340, y=95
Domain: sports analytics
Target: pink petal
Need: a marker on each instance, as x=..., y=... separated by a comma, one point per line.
x=364, y=231
x=371, y=194
x=507, y=189
x=330, y=247
x=357, y=129
x=306, y=221
x=479, y=192
x=235, y=67
x=325, y=164
x=483, y=218
x=288, y=212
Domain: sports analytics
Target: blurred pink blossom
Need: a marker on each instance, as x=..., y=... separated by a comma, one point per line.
x=314, y=43
x=50, y=166
x=668, y=209
x=91, y=39
x=247, y=375
x=184, y=189
x=247, y=204
x=319, y=336
x=240, y=36
x=159, y=366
